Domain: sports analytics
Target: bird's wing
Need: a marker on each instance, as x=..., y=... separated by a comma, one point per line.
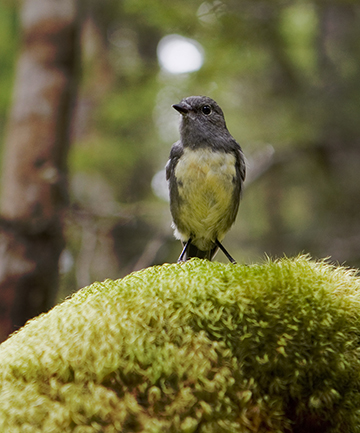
x=240, y=162
x=175, y=153
x=238, y=180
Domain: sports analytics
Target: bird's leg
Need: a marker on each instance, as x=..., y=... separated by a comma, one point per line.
x=218, y=243
x=186, y=246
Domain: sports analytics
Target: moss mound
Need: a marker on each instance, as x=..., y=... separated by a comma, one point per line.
x=199, y=347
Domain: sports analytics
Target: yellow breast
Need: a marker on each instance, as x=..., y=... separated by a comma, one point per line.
x=205, y=183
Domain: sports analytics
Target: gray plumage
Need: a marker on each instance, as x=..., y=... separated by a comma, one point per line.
x=206, y=170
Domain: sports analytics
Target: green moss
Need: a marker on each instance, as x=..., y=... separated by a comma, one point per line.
x=199, y=347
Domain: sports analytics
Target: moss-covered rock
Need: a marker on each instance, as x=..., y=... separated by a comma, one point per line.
x=198, y=347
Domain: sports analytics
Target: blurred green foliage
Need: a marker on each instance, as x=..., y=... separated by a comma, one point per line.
x=286, y=75
x=9, y=45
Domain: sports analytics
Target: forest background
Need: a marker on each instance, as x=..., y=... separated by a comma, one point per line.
x=287, y=75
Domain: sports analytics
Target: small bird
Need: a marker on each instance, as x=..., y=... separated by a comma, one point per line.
x=205, y=171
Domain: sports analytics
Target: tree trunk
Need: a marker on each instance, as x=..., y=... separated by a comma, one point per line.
x=34, y=186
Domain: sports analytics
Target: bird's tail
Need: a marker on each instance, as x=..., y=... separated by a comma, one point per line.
x=193, y=251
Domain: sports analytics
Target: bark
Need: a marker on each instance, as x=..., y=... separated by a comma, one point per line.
x=34, y=187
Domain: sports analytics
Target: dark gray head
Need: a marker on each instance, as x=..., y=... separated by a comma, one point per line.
x=202, y=121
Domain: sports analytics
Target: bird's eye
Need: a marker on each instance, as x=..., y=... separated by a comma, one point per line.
x=206, y=109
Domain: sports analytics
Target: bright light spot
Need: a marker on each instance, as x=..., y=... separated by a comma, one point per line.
x=178, y=55
x=66, y=262
x=208, y=13
x=160, y=186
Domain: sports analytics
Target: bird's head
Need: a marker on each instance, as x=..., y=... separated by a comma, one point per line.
x=200, y=112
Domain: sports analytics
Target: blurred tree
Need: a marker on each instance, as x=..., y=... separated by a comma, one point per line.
x=34, y=164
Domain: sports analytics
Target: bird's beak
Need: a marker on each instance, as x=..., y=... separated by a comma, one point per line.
x=182, y=107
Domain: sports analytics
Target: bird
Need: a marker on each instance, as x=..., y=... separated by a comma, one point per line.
x=205, y=173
